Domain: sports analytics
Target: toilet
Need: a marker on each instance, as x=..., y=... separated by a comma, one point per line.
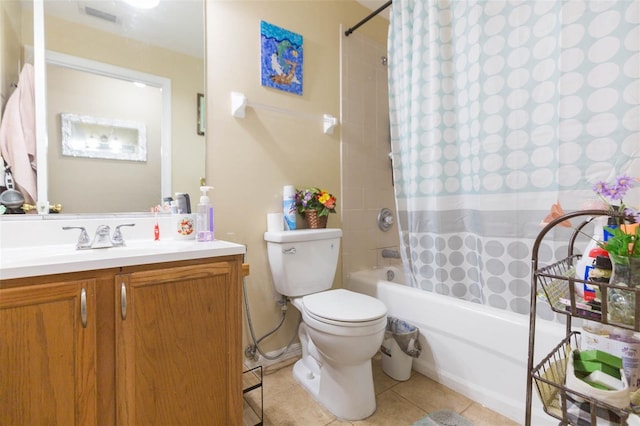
x=340, y=330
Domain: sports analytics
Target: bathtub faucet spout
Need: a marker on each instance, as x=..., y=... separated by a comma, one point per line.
x=391, y=254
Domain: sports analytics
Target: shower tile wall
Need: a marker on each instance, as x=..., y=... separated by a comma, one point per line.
x=366, y=168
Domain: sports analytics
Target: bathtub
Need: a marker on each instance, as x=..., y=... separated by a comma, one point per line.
x=476, y=350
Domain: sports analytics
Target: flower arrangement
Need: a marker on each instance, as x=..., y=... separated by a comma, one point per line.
x=624, y=240
x=315, y=199
x=623, y=249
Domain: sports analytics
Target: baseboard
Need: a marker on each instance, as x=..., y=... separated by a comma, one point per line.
x=293, y=351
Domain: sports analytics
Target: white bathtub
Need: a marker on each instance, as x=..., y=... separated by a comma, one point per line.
x=476, y=350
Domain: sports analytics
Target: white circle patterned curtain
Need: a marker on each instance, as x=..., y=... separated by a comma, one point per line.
x=500, y=109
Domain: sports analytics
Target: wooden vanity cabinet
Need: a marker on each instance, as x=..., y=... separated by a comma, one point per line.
x=161, y=345
x=178, y=346
x=48, y=353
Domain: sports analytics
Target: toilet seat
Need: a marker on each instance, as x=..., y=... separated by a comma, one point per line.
x=344, y=308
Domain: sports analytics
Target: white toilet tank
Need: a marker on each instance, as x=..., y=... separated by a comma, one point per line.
x=304, y=261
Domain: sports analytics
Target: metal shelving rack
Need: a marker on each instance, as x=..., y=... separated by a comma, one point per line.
x=557, y=281
x=252, y=404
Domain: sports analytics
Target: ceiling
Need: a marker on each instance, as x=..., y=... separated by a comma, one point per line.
x=174, y=24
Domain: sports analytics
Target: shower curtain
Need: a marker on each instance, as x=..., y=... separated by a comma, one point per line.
x=498, y=110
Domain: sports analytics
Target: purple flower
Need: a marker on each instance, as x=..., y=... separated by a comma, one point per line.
x=600, y=188
x=624, y=183
x=614, y=192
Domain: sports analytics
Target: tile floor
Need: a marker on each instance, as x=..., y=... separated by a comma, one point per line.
x=398, y=403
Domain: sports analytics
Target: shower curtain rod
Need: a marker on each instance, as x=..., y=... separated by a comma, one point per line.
x=371, y=15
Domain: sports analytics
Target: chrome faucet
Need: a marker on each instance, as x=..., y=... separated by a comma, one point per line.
x=102, y=238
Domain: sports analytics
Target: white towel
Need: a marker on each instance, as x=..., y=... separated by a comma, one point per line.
x=18, y=135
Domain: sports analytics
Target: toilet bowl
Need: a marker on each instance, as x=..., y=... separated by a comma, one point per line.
x=337, y=349
x=340, y=330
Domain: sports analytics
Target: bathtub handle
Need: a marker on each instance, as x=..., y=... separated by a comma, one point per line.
x=291, y=250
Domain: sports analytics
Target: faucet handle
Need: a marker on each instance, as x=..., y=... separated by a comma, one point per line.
x=118, y=239
x=84, y=241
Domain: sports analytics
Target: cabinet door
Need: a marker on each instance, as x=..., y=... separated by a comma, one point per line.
x=47, y=354
x=178, y=346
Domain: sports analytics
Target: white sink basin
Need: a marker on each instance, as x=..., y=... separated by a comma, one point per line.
x=50, y=259
x=37, y=255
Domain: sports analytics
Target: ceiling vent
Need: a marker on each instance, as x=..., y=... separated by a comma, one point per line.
x=105, y=16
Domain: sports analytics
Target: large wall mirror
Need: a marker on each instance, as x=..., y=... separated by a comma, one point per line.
x=121, y=90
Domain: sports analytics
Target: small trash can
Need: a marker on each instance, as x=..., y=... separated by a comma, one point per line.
x=399, y=346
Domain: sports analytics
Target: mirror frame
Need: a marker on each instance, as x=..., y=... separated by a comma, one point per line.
x=39, y=77
x=43, y=57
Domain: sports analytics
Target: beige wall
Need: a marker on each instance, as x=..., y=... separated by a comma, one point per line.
x=250, y=159
x=185, y=72
x=366, y=168
x=113, y=185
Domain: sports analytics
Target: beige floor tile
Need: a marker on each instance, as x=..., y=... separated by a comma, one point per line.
x=279, y=380
x=287, y=403
x=392, y=410
x=481, y=416
x=430, y=395
x=338, y=422
x=294, y=407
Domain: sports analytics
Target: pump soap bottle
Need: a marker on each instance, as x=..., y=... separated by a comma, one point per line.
x=204, y=217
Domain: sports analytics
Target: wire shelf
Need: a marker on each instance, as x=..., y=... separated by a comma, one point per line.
x=563, y=403
x=557, y=285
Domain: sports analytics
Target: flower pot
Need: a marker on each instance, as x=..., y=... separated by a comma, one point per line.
x=621, y=304
x=314, y=221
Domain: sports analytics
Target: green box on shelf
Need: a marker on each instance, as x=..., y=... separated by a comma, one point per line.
x=589, y=367
x=599, y=356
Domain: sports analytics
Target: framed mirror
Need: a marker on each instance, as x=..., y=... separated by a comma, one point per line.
x=96, y=51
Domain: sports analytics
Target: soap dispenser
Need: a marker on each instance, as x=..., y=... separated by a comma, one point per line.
x=204, y=217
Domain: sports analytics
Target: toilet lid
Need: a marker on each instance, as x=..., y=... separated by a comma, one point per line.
x=344, y=305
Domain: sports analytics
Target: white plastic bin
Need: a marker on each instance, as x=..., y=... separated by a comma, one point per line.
x=400, y=344
x=395, y=363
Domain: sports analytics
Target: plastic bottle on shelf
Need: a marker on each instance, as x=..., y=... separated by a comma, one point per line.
x=594, y=271
x=627, y=345
x=586, y=261
x=204, y=217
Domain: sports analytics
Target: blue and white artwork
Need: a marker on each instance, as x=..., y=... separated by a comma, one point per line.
x=281, y=58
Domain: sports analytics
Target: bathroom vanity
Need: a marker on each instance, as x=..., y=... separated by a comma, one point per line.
x=122, y=336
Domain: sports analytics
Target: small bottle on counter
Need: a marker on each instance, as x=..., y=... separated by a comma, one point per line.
x=204, y=217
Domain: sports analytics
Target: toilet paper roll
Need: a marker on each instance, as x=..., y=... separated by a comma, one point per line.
x=275, y=222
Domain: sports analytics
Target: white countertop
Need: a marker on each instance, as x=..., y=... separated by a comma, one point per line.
x=23, y=255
